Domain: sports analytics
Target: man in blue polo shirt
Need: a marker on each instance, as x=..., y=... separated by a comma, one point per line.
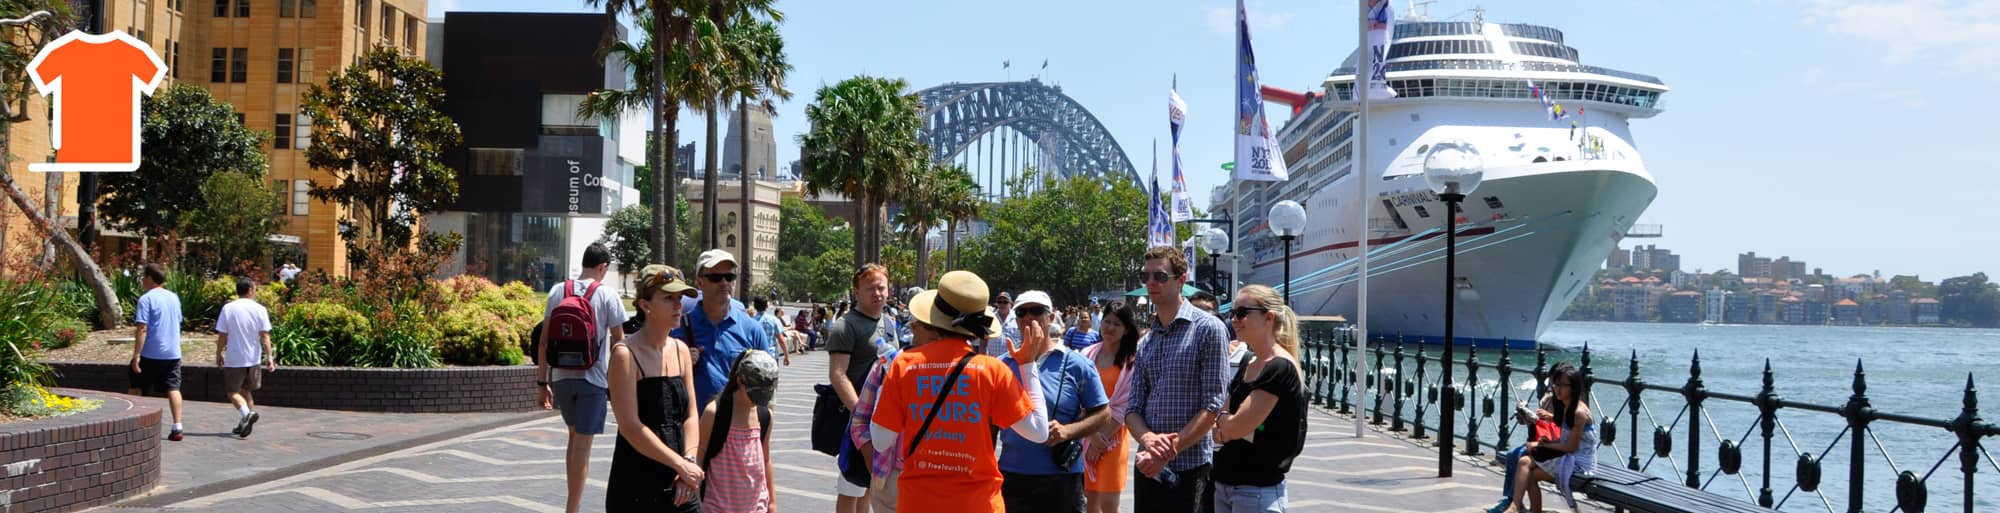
x=1078, y=407
x=716, y=330
x=156, y=354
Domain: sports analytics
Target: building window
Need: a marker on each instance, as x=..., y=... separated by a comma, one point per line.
x=731, y=241
x=239, y=65
x=302, y=68
x=281, y=132
x=306, y=8
x=361, y=13
x=285, y=65
x=242, y=8
x=221, y=8
x=302, y=135
x=218, y=65
x=174, y=58
x=239, y=118
x=388, y=23
x=495, y=161
x=410, y=32
x=280, y=188
x=301, y=197
x=288, y=8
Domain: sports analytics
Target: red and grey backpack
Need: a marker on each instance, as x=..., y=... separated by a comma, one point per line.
x=572, y=330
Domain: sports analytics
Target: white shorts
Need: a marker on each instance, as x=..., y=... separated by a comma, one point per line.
x=846, y=489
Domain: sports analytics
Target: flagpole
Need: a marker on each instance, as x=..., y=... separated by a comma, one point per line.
x=1364, y=67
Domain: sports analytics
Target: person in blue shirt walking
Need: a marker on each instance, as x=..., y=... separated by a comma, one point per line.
x=1048, y=476
x=718, y=329
x=156, y=358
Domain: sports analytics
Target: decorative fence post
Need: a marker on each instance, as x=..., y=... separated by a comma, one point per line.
x=1768, y=402
x=1694, y=392
x=1423, y=401
x=1346, y=375
x=1634, y=385
x=1396, y=420
x=1380, y=382
x=1458, y=400
x=1969, y=429
x=1858, y=414
x=1506, y=400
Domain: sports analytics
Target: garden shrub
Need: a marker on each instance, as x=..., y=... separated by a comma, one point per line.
x=272, y=296
x=32, y=400
x=291, y=346
x=464, y=287
x=64, y=331
x=334, y=326
x=474, y=336
x=404, y=337
x=29, y=311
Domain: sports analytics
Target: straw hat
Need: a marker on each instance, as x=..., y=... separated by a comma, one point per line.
x=958, y=305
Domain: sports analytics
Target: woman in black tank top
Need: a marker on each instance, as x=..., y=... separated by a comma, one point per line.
x=653, y=468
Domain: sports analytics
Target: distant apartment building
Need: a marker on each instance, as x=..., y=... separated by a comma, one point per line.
x=1683, y=306
x=1749, y=265
x=1652, y=258
x=1739, y=309
x=1927, y=311
x=1900, y=309
x=1714, y=302
x=1634, y=299
x=1620, y=259
x=1792, y=310
x=1874, y=311
x=1847, y=313
x=763, y=164
x=1766, y=310
x=1784, y=269
x=1686, y=280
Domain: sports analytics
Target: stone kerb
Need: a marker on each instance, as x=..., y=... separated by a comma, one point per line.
x=440, y=390
x=74, y=462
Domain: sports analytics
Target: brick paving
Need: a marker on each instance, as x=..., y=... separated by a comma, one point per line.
x=518, y=466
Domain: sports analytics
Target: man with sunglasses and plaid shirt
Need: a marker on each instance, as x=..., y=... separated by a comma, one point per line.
x=1177, y=390
x=716, y=329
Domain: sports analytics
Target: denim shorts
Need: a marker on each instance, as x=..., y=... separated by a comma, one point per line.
x=583, y=405
x=1249, y=499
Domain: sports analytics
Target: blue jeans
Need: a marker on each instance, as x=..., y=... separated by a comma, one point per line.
x=1249, y=499
x=1510, y=463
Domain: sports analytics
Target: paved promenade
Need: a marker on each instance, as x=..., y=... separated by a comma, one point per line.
x=297, y=460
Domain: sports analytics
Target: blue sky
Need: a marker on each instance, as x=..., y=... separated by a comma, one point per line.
x=1845, y=133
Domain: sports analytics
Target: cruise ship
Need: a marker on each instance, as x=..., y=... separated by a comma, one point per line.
x=1555, y=199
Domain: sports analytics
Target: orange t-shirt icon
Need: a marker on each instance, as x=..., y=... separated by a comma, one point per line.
x=96, y=80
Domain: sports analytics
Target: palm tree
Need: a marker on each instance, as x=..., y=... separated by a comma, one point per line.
x=958, y=199
x=864, y=134
x=668, y=30
x=918, y=193
x=713, y=76
x=758, y=69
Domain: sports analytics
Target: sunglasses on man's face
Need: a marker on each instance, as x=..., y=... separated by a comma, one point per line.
x=1031, y=311
x=719, y=277
x=1156, y=276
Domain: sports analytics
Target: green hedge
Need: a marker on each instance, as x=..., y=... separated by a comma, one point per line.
x=475, y=336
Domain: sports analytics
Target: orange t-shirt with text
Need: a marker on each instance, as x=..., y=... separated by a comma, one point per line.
x=97, y=103
x=955, y=469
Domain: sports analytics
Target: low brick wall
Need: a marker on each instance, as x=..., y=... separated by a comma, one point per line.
x=443, y=390
x=79, y=461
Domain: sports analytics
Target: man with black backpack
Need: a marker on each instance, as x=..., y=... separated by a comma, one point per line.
x=579, y=326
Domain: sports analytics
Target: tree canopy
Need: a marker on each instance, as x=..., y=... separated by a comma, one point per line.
x=380, y=130
x=189, y=136
x=1068, y=237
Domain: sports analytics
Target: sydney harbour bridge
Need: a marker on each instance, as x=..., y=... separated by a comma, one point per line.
x=998, y=129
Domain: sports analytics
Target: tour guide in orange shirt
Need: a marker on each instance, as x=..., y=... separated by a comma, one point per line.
x=949, y=464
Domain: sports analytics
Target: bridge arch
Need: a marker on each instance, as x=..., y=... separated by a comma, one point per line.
x=998, y=129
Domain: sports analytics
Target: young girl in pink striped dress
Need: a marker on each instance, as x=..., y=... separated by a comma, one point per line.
x=737, y=455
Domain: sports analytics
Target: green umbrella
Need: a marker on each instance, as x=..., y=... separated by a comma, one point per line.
x=1186, y=291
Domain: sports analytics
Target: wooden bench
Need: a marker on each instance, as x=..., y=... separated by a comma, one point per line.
x=1626, y=490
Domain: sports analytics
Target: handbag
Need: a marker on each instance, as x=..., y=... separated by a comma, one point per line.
x=830, y=418
x=1546, y=432
x=943, y=392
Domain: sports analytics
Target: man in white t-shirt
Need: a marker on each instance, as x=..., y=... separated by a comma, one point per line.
x=582, y=395
x=245, y=344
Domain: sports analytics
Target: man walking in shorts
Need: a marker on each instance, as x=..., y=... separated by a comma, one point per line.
x=156, y=347
x=581, y=394
x=245, y=344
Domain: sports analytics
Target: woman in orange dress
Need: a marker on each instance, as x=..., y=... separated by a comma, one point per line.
x=1108, y=454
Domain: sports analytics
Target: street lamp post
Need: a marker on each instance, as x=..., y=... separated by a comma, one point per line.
x=1287, y=220
x=1215, y=241
x=1453, y=169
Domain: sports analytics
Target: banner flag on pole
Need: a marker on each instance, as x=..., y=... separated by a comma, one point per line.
x=1183, y=207
x=1257, y=154
x=1380, y=22
x=1159, y=231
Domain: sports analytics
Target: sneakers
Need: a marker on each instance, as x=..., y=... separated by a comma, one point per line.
x=1502, y=506
x=174, y=436
x=244, y=425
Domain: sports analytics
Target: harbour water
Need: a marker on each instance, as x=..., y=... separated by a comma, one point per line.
x=1910, y=371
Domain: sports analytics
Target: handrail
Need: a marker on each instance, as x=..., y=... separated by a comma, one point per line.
x=1333, y=381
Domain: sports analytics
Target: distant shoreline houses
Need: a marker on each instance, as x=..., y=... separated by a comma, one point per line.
x=1645, y=284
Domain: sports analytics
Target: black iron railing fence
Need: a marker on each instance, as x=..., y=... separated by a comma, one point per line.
x=1408, y=393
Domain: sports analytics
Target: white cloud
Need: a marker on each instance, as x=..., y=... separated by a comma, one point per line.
x=1222, y=20
x=1962, y=33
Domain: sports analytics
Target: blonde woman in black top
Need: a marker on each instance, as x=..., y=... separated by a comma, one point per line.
x=1264, y=426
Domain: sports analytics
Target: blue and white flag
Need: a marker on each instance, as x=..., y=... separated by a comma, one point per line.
x=1159, y=230
x=1257, y=154
x=1380, y=22
x=1187, y=248
x=1183, y=207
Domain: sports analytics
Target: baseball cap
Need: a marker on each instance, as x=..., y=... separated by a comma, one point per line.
x=1033, y=297
x=1003, y=298
x=757, y=373
x=712, y=258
